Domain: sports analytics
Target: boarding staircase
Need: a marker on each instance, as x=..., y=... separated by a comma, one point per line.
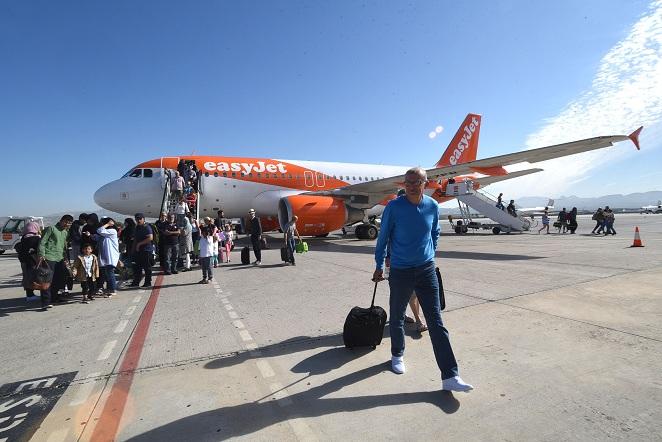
x=483, y=204
x=168, y=201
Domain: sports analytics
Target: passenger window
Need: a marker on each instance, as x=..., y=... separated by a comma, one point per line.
x=215, y=173
x=225, y=174
x=148, y=173
x=360, y=179
x=136, y=173
x=206, y=173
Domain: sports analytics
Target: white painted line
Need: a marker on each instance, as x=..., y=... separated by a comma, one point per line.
x=238, y=324
x=228, y=307
x=233, y=315
x=219, y=291
x=107, y=350
x=251, y=346
x=84, y=391
x=280, y=394
x=130, y=310
x=137, y=298
x=225, y=301
x=245, y=335
x=141, y=291
x=58, y=436
x=121, y=326
x=265, y=369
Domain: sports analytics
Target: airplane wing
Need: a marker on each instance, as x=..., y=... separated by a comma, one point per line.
x=370, y=193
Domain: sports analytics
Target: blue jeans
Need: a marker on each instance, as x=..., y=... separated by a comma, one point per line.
x=109, y=273
x=290, y=246
x=172, y=253
x=423, y=280
x=205, y=264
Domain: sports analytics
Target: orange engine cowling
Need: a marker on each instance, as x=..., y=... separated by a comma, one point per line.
x=317, y=214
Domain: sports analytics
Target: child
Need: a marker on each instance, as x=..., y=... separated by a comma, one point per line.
x=228, y=241
x=215, y=243
x=86, y=270
x=206, y=254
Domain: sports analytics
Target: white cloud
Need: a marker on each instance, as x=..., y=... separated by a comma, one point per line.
x=625, y=94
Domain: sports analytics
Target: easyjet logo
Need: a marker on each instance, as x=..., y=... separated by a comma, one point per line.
x=259, y=167
x=464, y=141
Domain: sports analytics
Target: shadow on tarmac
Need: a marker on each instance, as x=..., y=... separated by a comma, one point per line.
x=248, y=418
x=15, y=305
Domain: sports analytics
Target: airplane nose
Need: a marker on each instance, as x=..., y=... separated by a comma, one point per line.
x=103, y=196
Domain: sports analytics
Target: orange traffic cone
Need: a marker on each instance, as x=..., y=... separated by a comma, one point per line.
x=637, y=241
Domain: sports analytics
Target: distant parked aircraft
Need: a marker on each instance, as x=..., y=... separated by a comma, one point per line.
x=652, y=209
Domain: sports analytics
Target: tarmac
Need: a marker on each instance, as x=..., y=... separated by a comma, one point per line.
x=561, y=335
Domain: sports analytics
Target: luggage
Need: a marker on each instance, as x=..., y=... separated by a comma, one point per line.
x=284, y=254
x=301, y=247
x=245, y=255
x=41, y=276
x=263, y=243
x=364, y=327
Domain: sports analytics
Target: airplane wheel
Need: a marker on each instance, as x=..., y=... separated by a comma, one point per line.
x=371, y=232
x=458, y=229
x=359, y=231
x=496, y=230
x=2, y=251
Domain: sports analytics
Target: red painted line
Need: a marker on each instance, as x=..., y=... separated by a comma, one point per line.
x=109, y=421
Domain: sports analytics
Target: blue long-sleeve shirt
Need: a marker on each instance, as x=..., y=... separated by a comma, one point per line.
x=410, y=231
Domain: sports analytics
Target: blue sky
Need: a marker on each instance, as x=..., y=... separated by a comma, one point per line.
x=88, y=89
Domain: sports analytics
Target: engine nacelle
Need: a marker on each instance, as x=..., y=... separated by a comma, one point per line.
x=317, y=214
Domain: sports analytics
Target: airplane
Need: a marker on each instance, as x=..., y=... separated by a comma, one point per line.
x=652, y=209
x=324, y=195
x=537, y=210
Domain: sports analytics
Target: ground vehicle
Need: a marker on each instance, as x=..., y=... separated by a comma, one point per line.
x=13, y=228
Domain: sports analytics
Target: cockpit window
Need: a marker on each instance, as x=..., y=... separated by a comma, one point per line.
x=148, y=173
x=136, y=173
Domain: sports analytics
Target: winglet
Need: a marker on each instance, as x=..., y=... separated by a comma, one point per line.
x=634, y=136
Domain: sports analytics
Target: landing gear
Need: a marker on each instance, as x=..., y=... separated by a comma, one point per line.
x=366, y=231
x=496, y=230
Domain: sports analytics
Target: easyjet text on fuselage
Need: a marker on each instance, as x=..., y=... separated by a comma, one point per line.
x=257, y=167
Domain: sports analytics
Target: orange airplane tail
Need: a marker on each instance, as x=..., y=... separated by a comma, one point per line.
x=464, y=145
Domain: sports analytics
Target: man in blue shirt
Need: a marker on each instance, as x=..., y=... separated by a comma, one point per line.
x=410, y=229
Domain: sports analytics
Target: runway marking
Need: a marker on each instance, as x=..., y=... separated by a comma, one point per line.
x=137, y=298
x=84, y=391
x=238, y=324
x=141, y=291
x=107, y=350
x=121, y=326
x=233, y=315
x=109, y=420
x=265, y=369
x=130, y=310
x=245, y=335
x=225, y=301
x=58, y=436
x=251, y=346
x=228, y=307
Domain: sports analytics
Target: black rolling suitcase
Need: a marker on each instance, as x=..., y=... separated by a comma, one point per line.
x=245, y=255
x=284, y=254
x=364, y=327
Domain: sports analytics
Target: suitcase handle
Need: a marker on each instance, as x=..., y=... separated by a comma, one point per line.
x=372, y=304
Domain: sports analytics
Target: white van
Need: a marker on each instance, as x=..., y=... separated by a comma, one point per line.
x=13, y=228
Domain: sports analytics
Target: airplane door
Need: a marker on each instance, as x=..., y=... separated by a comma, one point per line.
x=319, y=178
x=309, y=179
x=164, y=176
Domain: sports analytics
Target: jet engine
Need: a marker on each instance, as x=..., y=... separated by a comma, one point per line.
x=318, y=215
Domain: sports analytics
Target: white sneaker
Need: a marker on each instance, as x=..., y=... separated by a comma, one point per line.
x=455, y=384
x=257, y=263
x=397, y=364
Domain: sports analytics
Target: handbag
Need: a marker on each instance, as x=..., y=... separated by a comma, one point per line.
x=41, y=276
x=442, y=296
x=301, y=247
x=68, y=272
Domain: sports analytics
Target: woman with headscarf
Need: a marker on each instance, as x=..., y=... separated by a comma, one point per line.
x=126, y=236
x=27, y=255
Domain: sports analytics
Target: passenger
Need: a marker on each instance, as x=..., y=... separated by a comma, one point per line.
x=215, y=247
x=109, y=254
x=186, y=243
x=181, y=167
x=75, y=232
x=499, y=203
x=89, y=230
x=609, y=221
x=180, y=210
x=143, y=250
x=563, y=220
x=206, y=252
x=195, y=237
x=511, y=209
x=86, y=271
x=52, y=249
x=127, y=235
x=256, y=236
x=545, y=222
x=599, y=218
x=410, y=226
x=193, y=176
x=220, y=220
x=161, y=225
x=228, y=241
x=288, y=235
x=177, y=186
x=572, y=220
x=171, y=240
x=28, y=249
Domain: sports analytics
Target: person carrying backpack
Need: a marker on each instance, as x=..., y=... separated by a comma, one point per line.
x=27, y=249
